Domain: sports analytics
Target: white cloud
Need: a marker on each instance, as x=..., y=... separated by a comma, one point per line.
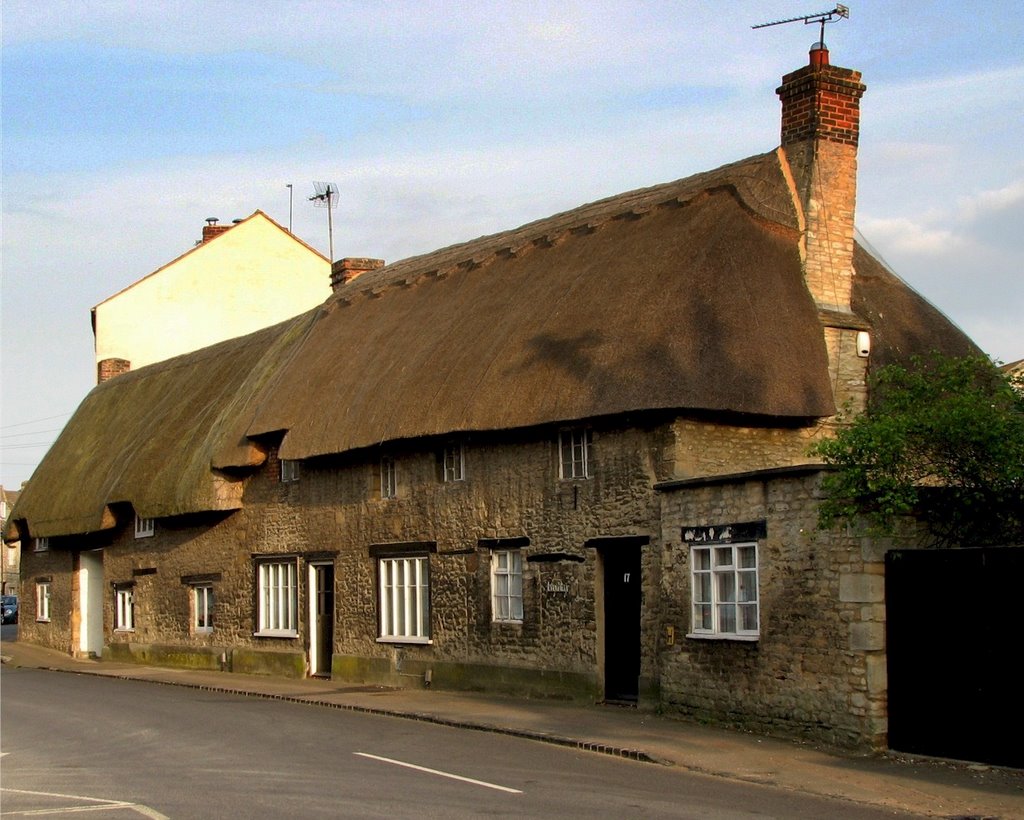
x=433, y=51
x=951, y=90
x=907, y=236
x=986, y=203
x=917, y=153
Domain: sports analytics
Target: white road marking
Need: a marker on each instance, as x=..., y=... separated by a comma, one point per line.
x=98, y=804
x=449, y=775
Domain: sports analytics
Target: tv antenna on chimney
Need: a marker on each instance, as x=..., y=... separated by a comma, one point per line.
x=326, y=196
x=838, y=13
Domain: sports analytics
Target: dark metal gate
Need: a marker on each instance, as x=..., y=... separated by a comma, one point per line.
x=955, y=645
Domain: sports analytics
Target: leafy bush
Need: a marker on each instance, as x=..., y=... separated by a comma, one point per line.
x=942, y=439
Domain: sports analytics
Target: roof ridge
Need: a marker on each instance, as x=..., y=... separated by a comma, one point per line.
x=550, y=230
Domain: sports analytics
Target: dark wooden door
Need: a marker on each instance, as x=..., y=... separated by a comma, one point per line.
x=324, y=616
x=954, y=645
x=622, y=598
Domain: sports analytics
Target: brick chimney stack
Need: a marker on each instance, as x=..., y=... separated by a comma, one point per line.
x=345, y=270
x=108, y=368
x=820, y=132
x=211, y=229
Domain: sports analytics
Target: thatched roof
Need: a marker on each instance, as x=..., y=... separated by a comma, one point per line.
x=147, y=438
x=903, y=323
x=687, y=296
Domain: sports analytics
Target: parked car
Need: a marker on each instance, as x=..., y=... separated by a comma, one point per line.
x=10, y=609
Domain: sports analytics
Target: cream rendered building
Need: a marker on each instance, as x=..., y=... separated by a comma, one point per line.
x=238, y=279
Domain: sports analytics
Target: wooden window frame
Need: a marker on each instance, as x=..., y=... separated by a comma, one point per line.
x=725, y=591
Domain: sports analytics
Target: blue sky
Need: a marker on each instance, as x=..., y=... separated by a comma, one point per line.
x=126, y=124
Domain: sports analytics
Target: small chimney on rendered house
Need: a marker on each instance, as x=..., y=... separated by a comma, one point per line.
x=345, y=270
x=212, y=229
x=820, y=133
x=106, y=369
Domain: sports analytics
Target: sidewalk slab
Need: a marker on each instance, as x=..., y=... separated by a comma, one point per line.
x=922, y=786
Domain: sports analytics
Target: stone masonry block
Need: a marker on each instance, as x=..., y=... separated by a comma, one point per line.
x=861, y=588
x=874, y=549
x=867, y=637
x=877, y=676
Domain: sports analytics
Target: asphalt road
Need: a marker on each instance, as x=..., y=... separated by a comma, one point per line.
x=70, y=742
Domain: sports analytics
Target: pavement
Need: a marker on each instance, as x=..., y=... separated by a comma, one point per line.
x=903, y=783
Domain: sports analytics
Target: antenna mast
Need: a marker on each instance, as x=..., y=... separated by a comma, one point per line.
x=840, y=12
x=326, y=196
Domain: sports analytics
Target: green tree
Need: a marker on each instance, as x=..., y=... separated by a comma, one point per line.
x=942, y=439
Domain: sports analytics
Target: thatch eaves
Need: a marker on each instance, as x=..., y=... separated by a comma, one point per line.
x=147, y=438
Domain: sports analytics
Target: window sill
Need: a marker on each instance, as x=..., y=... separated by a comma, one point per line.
x=123, y=629
x=722, y=636
x=506, y=622
x=405, y=639
x=276, y=633
x=42, y=620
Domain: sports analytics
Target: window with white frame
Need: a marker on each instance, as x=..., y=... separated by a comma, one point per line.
x=405, y=599
x=41, y=544
x=725, y=590
x=124, y=608
x=388, y=479
x=278, y=598
x=202, y=608
x=574, y=449
x=43, y=601
x=144, y=527
x=453, y=462
x=507, y=585
x=289, y=470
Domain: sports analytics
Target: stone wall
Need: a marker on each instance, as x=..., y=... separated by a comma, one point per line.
x=53, y=565
x=163, y=569
x=704, y=448
x=817, y=668
x=511, y=491
x=335, y=512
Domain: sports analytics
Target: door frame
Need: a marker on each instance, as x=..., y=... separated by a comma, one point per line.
x=616, y=554
x=90, y=603
x=318, y=570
